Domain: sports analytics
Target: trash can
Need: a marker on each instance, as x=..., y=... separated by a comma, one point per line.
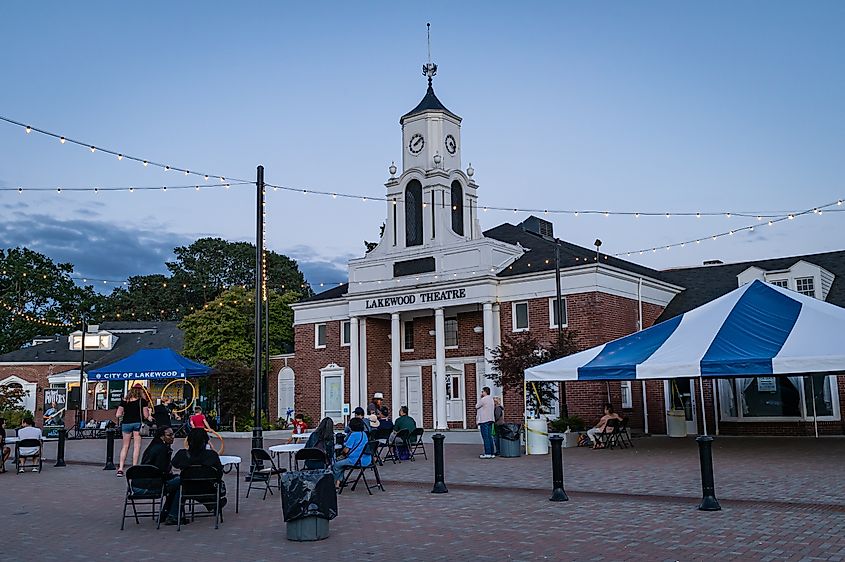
x=309, y=502
x=676, y=423
x=509, y=440
x=537, y=437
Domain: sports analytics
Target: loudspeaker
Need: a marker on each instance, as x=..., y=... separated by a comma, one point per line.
x=74, y=400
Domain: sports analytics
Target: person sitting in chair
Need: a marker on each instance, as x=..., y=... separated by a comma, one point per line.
x=5, y=451
x=354, y=449
x=357, y=413
x=602, y=426
x=28, y=431
x=158, y=454
x=198, y=453
x=323, y=439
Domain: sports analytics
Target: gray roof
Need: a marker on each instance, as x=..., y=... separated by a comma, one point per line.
x=165, y=334
x=541, y=256
x=428, y=103
x=705, y=283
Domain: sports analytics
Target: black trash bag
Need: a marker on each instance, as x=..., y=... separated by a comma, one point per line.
x=508, y=431
x=308, y=493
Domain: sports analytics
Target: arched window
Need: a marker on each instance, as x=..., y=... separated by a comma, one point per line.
x=413, y=214
x=457, y=208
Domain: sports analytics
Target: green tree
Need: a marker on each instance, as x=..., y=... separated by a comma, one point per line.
x=232, y=385
x=223, y=329
x=521, y=351
x=37, y=296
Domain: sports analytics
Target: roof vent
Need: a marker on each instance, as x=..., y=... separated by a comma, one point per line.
x=713, y=262
x=93, y=328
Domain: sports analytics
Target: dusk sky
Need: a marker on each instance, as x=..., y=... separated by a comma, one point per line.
x=620, y=106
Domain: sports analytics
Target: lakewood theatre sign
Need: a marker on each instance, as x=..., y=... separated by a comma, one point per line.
x=427, y=297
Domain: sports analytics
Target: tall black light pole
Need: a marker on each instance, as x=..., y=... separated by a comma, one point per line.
x=81, y=374
x=257, y=435
x=265, y=388
x=564, y=409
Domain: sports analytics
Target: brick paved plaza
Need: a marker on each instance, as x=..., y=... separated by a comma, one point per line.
x=783, y=499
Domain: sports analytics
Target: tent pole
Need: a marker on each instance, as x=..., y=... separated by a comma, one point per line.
x=715, y=408
x=815, y=418
x=645, y=410
x=525, y=411
x=702, y=408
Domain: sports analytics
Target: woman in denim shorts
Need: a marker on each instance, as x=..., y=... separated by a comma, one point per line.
x=132, y=411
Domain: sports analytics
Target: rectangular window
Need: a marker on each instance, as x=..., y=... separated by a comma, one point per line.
x=451, y=326
x=784, y=283
x=772, y=397
x=346, y=333
x=319, y=335
x=553, y=312
x=408, y=336
x=520, y=316
x=627, y=395
x=805, y=286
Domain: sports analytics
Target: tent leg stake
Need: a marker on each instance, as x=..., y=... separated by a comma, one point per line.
x=708, y=488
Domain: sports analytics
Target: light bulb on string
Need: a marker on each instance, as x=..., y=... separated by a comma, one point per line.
x=28, y=129
x=62, y=140
x=93, y=149
x=145, y=163
x=120, y=156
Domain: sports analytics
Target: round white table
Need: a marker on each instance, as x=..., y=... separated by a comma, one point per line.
x=290, y=449
x=232, y=460
x=304, y=436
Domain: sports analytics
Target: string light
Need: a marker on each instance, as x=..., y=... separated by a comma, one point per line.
x=22, y=189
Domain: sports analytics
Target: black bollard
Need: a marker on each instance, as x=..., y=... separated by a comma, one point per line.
x=109, y=449
x=708, y=488
x=60, y=452
x=439, y=483
x=558, y=493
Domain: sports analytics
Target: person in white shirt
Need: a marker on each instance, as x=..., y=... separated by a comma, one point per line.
x=484, y=417
x=28, y=431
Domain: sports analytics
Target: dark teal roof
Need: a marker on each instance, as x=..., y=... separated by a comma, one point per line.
x=428, y=103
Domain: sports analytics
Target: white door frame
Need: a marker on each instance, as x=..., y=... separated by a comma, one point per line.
x=463, y=389
x=332, y=369
x=404, y=373
x=692, y=426
x=286, y=373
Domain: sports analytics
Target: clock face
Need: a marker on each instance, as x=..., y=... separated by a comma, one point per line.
x=451, y=145
x=416, y=144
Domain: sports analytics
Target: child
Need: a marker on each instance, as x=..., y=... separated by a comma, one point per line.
x=198, y=419
x=299, y=426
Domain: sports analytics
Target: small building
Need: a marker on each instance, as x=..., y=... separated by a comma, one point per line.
x=53, y=362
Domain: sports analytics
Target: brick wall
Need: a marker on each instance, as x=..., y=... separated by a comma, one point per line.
x=307, y=364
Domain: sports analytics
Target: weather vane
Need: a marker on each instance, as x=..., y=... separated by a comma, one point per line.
x=429, y=69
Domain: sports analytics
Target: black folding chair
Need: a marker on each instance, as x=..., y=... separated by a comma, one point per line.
x=262, y=458
x=609, y=439
x=418, y=444
x=314, y=455
x=29, y=444
x=203, y=485
x=402, y=438
x=143, y=475
x=381, y=438
x=180, y=429
x=624, y=434
x=369, y=449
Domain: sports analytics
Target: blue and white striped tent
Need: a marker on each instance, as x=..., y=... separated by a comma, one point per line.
x=757, y=329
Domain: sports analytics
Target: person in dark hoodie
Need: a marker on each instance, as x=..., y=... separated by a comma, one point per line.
x=198, y=453
x=158, y=454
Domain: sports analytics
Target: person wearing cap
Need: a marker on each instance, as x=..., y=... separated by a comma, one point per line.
x=358, y=413
x=375, y=405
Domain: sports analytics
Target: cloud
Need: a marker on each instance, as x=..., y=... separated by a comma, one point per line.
x=317, y=268
x=16, y=205
x=97, y=249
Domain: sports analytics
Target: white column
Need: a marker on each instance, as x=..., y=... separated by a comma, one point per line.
x=497, y=326
x=488, y=338
x=362, y=363
x=354, y=372
x=440, y=370
x=394, y=365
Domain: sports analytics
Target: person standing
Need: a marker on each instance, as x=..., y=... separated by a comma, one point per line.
x=132, y=411
x=4, y=450
x=374, y=407
x=161, y=413
x=498, y=422
x=484, y=417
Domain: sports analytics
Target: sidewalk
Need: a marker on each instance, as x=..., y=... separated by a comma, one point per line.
x=796, y=470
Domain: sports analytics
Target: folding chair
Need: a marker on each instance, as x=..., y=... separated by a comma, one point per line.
x=418, y=444
x=143, y=474
x=403, y=437
x=29, y=444
x=180, y=430
x=311, y=454
x=204, y=485
x=381, y=437
x=369, y=449
x=609, y=439
x=259, y=458
x=624, y=434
